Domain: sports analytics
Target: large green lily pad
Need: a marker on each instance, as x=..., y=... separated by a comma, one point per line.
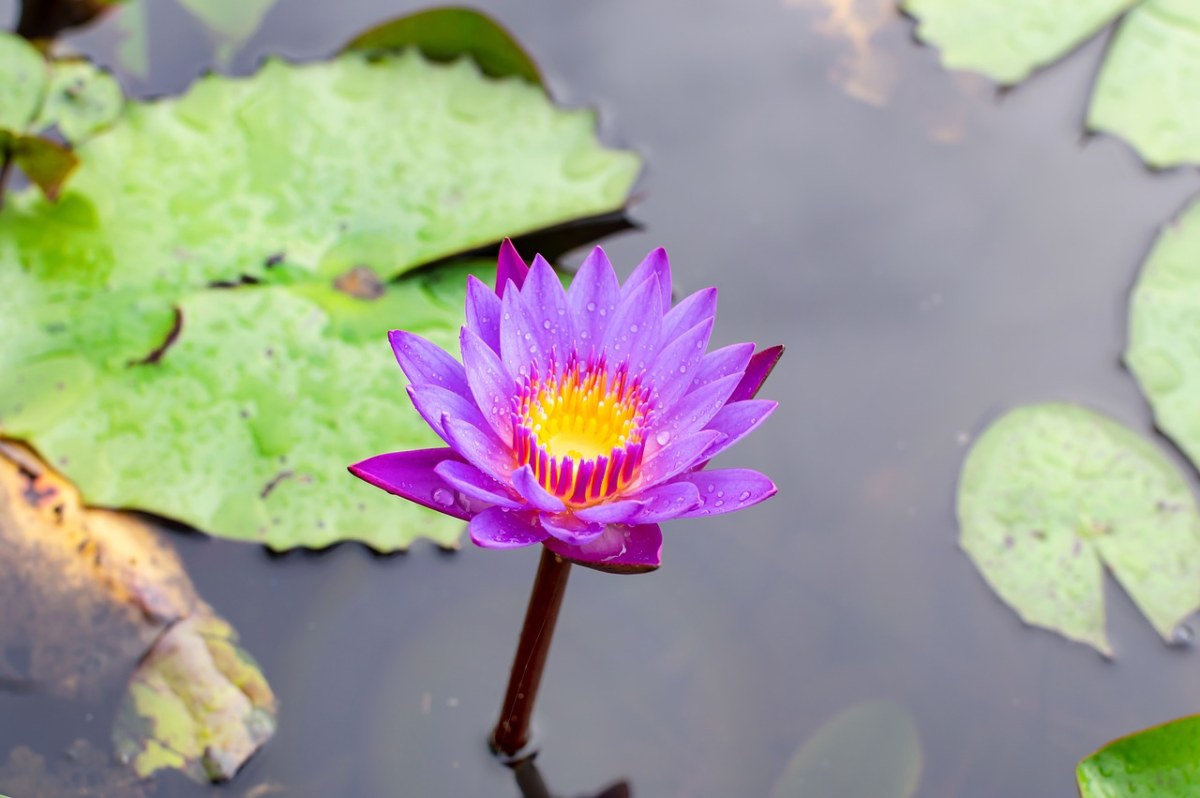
x=1164, y=325
x=1050, y=494
x=23, y=78
x=1163, y=762
x=236, y=409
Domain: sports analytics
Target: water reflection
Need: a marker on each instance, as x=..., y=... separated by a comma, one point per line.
x=532, y=785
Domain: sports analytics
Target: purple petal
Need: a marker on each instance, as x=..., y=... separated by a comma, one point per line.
x=546, y=301
x=633, y=333
x=483, y=312
x=664, y=502
x=735, y=421
x=509, y=266
x=620, y=550
x=491, y=385
x=524, y=342
x=424, y=363
x=571, y=530
x=497, y=528
x=434, y=403
x=479, y=448
x=727, y=489
x=675, y=367
x=655, y=266
x=677, y=456
x=612, y=513
x=689, y=413
x=532, y=491
x=690, y=312
x=593, y=298
x=760, y=367
x=411, y=475
x=721, y=363
x=470, y=481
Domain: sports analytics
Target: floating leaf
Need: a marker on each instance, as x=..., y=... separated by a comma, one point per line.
x=197, y=703
x=81, y=100
x=47, y=164
x=1148, y=91
x=444, y=34
x=23, y=78
x=1052, y=493
x=232, y=22
x=1008, y=39
x=236, y=409
x=872, y=750
x=1163, y=762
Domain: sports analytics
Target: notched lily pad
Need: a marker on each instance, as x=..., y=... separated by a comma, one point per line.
x=1162, y=762
x=1050, y=494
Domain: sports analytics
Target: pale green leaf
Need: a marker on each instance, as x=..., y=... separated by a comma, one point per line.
x=237, y=410
x=1050, y=494
x=232, y=22
x=23, y=77
x=81, y=101
x=1163, y=762
x=1008, y=39
x=872, y=750
x=1148, y=91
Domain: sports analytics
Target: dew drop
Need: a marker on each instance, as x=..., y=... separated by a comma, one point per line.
x=546, y=324
x=633, y=328
x=744, y=495
x=507, y=316
x=528, y=336
x=532, y=349
x=663, y=438
x=442, y=497
x=584, y=334
x=711, y=488
x=603, y=312
x=591, y=306
x=718, y=502
x=720, y=494
x=683, y=369
x=1183, y=635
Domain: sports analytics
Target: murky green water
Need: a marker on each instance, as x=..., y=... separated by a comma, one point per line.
x=931, y=258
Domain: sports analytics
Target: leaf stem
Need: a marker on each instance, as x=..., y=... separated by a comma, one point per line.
x=6, y=168
x=511, y=734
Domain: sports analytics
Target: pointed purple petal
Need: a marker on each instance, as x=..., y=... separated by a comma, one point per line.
x=735, y=421
x=690, y=312
x=531, y=491
x=727, y=489
x=472, y=482
x=689, y=414
x=677, y=456
x=434, y=403
x=664, y=502
x=620, y=550
x=760, y=367
x=569, y=529
x=592, y=299
x=721, y=363
x=483, y=312
x=496, y=528
x=491, y=385
x=411, y=476
x=655, y=266
x=674, y=368
x=612, y=513
x=635, y=328
x=479, y=448
x=509, y=266
x=546, y=301
x=424, y=363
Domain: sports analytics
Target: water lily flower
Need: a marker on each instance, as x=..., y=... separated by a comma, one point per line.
x=580, y=418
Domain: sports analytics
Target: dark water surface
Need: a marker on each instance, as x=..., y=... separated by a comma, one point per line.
x=930, y=252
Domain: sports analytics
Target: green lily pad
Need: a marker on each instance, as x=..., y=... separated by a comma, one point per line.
x=1008, y=39
x=872, y=750
x=46, y=163
x=1163, y=762
x=444, y=34
x=197, y=703
x=81, y=100
x=1148, y=91
x=1050, y=494
x=23, y=78
x=236, y=409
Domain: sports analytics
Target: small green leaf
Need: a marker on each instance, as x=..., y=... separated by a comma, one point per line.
x=872, y=750
x=197, y=703
x=1008, y=39
x=1052, y=493
x=46, y=163
x=81, y=101
x=444, y=34
x=1163, y=762
x=23, y=78
x=232, y=22
x=1148, y=91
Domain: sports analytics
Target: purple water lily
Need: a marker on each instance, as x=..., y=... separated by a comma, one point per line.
x=580, y=418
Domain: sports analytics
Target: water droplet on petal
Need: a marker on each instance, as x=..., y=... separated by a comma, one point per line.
x=720, y=494
x=744, y=495
x=633, y=328
x=591, y=306
x=546, y=324
x=663, y=438
x=1183, y=635
x=711, y=488
x=683, y=369
x=718, y=502
x=603, y=312
x=442, y=497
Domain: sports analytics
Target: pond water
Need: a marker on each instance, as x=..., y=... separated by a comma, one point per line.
x=931, y=252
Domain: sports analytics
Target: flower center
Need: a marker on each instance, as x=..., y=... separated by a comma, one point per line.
x=580, y=428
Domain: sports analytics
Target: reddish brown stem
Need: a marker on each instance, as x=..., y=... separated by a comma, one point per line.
x=511, y=735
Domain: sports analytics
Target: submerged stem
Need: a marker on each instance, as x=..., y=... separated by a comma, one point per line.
x=512, y=730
